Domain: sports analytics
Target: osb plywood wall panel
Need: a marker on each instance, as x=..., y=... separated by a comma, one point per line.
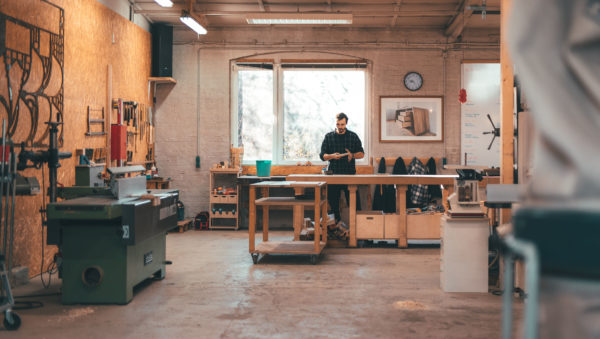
x=89, y=49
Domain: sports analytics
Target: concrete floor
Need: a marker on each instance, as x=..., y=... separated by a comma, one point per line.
x=213, y=290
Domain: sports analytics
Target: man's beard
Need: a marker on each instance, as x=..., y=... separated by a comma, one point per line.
x=341, y=130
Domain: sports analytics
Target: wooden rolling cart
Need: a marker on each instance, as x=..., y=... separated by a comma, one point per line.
x=312, y=248
x=224, y=195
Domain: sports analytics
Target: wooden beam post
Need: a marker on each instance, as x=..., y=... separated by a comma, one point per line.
x=506, y=105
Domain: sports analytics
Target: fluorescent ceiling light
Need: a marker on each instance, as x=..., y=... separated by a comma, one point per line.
x=299, y=18
x=187, y=19
x=164, y=3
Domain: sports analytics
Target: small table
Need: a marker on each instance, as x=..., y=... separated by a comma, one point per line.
x=313, y=249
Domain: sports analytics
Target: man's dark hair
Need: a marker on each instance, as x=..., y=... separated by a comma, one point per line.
x=341, y=116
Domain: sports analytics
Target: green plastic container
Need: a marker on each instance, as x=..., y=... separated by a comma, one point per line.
x=263, y=168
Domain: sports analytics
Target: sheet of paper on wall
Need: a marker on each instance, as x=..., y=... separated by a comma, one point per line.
x=482, y=84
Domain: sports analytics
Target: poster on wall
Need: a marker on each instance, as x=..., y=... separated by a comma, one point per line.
x=411, y=119
x=482, y=84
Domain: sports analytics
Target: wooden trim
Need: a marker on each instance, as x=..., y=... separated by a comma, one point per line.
x=376, y=179
x=506, y=105
x=480, y=61
x=254, y=60
x=293, y=169
x=323, y=61
x=389, y=161
x=441, y=97
x=162, y=80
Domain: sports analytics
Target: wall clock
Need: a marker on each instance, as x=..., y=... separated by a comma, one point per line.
x=413, y=81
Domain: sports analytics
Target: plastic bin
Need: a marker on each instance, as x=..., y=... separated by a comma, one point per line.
x=263, y=168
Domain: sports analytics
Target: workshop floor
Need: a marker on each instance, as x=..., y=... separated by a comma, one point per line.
x=213, y=290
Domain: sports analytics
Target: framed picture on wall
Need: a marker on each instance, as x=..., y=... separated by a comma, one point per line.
x=411, y=118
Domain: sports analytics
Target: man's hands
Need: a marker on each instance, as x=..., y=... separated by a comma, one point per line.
x=339, y=156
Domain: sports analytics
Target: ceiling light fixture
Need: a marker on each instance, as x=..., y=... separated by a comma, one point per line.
x=299, y=18
x=192, y=23
x=164, y=3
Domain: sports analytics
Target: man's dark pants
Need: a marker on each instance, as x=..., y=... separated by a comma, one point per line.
x=333, y=197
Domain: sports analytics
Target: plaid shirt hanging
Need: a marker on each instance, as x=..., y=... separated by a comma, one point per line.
x=418, y=194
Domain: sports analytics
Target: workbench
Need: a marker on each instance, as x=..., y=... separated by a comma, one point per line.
x=401, y=182
x=319, y=203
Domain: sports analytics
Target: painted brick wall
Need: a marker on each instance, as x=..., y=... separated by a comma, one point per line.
x=200, y=99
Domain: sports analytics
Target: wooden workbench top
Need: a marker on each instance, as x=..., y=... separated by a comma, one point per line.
x=375, y=179
x=290, y=183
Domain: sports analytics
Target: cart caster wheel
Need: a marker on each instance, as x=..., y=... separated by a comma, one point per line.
x=254, y=258
x=313, y=259
x=15, y=324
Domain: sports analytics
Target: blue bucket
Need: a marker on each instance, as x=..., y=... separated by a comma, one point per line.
x=263, y=168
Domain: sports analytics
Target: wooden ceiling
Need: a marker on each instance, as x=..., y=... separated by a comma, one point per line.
x=450, y=16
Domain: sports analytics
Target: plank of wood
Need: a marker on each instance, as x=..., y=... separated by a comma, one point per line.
x=252, y=218
x=389, y=161
x=277, y=170
x=324, y=218
x=289, y=247
x=318, y=223
x=401, y=210
x=376, y=179
x=283, y=201
x=506, y=105
x=298, y=217
x=352, y=211
x=265, y=215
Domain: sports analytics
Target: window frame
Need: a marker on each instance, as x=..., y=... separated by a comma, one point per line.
x=278, y=67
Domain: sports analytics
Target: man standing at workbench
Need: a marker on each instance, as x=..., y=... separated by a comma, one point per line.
x=341, y=147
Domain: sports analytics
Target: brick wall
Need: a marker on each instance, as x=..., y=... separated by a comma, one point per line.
x=200, y=99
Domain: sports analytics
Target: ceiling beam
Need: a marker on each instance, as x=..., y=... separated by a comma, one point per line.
x=459, y=21
x=354, y=13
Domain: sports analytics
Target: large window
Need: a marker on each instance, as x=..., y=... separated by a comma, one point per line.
x=282, y=112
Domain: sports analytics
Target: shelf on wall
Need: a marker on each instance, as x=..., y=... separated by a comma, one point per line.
x=162, y=80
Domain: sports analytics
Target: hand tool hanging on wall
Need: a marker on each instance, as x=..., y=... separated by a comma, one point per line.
x=97, y=121
x=130, y=107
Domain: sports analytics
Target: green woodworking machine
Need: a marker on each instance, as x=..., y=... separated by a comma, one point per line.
x=111, y=237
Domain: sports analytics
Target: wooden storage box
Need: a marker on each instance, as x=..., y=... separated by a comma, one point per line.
x=391, y=225
x=369, y=225
x=423, y=226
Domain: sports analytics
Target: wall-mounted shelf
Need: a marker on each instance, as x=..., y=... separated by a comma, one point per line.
x=162, y=80
x=155, y=81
